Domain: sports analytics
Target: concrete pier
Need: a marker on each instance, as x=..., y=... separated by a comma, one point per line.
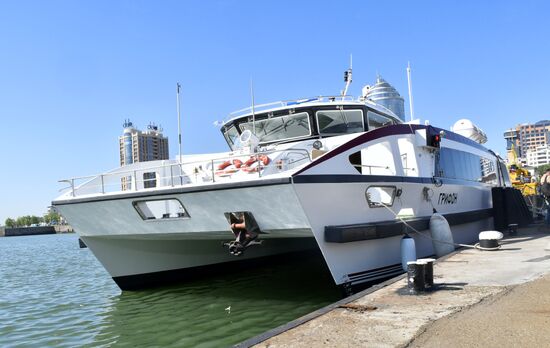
x=482, y=298
x=29, y=231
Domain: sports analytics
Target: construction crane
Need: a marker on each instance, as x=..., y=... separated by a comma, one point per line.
x=521, y=178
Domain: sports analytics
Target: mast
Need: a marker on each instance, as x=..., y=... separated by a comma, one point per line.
x=253, y=113
x=178, y=86
x=347, y=76
x=410, y=89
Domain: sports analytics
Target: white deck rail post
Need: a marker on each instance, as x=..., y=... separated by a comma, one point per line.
x=172, y=175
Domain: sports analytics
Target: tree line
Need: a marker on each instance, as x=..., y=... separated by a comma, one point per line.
x=542, y=169
x=50, y=218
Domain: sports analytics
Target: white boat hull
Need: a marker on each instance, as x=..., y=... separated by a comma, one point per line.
x=298, y=209
x=135, y=262
x=132, y=248
x=367, y=260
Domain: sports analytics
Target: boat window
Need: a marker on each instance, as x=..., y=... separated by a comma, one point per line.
x=280, y=127
x=339, y=121
x=455, y=164
x=376, y=120
x=488, y=171
x=160, y=209
x=380, y=196
x=231, y=135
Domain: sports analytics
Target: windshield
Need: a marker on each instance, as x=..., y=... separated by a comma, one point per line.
x=340, y=121
x=231, y=135
x=280, y=127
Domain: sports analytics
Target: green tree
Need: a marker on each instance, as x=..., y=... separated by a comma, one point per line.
x=51, y=217
x=542, y=169
x=23, y=221
x=35, y=220
x=10, y=223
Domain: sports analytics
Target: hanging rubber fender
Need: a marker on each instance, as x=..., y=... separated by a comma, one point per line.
x=442, y=237
x=408, y=251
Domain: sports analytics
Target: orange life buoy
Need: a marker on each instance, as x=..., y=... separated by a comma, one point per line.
x=237, y=163
x=265, y=159
x=250, y=161
x=248, y=165
x=224, y=165
x=229, y=167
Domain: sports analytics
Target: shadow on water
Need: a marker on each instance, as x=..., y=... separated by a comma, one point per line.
x=221, y=310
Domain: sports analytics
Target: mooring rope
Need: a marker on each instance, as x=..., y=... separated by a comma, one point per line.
x=475, y=246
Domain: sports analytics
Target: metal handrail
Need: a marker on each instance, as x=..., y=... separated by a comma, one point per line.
x=284, y=103
x=132, y=173
x=370, y=167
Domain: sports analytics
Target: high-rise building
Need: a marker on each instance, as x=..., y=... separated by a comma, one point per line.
x=526, y=138
x=386, y=95
x=138, y=146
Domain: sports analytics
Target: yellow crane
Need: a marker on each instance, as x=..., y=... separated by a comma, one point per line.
x=520, y=177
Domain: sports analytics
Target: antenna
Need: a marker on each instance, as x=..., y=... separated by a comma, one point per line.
x=410, y=89
x=253, y=113
x=347, y=76
x=178, y=86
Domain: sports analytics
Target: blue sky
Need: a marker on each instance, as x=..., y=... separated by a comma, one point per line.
x=72, y=71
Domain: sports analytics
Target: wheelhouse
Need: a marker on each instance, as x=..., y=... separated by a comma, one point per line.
x=294, y=122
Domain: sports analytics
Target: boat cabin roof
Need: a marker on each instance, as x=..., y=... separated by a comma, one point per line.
x=297, y=120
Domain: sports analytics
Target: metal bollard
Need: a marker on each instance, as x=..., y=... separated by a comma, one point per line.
x=428, y=273
x=513, y=229
x=415, y=277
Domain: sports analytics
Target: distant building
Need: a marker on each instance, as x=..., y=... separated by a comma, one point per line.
x=526, y=138
x=138, y=146
x=539, y=156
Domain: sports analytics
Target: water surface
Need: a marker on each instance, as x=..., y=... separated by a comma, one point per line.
x=54, y=294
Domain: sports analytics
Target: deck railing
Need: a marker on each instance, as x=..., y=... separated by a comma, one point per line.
x=285, y=103
x=178, y=174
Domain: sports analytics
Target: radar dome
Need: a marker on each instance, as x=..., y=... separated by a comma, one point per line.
x=469, y=130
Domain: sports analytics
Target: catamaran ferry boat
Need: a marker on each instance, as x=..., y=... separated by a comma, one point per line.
x=341, y=174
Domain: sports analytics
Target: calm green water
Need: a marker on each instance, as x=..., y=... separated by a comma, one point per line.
x=54, y=294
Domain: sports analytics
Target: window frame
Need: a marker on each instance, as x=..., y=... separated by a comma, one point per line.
x=391, y=119
x=185, y=216
x=232, y=145
x=338, y=110
x=308, y=116
x=381, y=205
